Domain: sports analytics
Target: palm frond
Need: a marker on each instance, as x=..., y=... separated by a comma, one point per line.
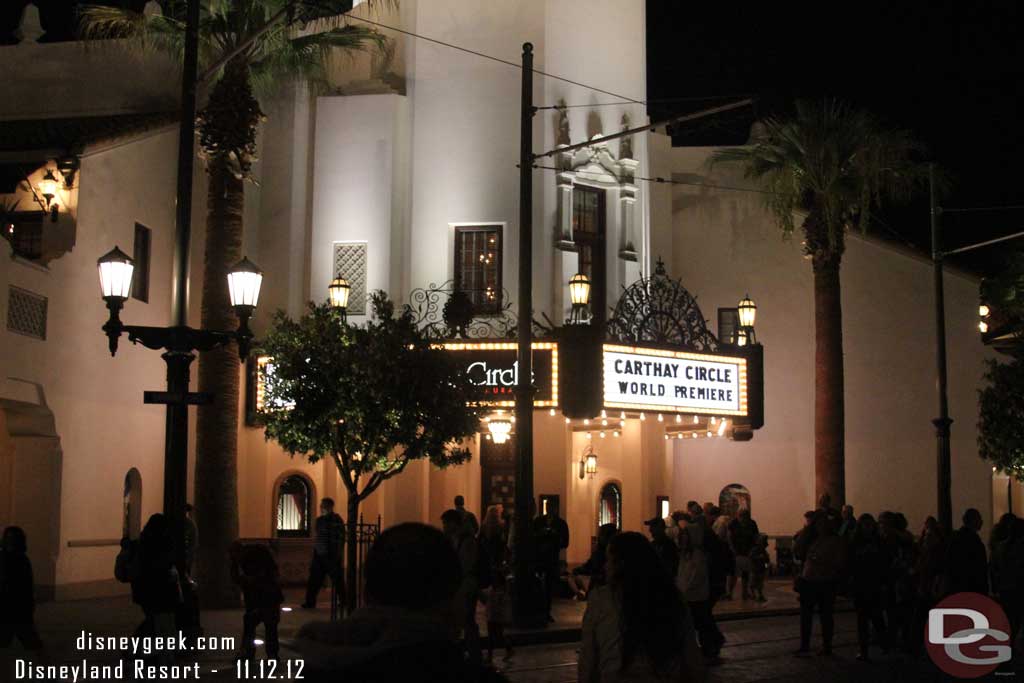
x=307, y=57
x=153, y=33
x=830, y=161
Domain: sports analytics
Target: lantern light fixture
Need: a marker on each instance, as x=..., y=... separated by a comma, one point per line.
x=984, y=310
x=741, y=337
x=590, y=466
x=579, y=296
x=982, y=326
x=747, y=311
x=116, y=269
x=643, y=417
x=244, y=282
x=338, y=292
x=500, y=429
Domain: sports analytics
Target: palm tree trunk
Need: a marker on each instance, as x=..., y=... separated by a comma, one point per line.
x=829, y=433
x=216, y=483
x=350, y=552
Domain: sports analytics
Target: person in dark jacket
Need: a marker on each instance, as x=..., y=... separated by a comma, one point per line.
x=327, y=553
x=1008, y=572
x=743, y=534
x=822, y=569
x=254, y=570
x=17, y=592
x=869, y=567
x=665, y=547
x=156, y=584
x=550, y=537
x=966, y=563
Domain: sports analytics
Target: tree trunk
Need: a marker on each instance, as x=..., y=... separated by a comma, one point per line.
x=351, y=546
x=829, y=433
x=216, y=479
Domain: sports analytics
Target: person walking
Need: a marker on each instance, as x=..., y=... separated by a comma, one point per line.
x=460, y=535
x=822, y=570
x=759, y=562
x=493, y=540
x=17, y=592
x=664, y=547
x=637, y=628
x=694, y=583
x=743, y=533
x=869, y=566
x=254, y=570
x=966, y=564
x=467, y=517
x=550, y=537
x=329, y=542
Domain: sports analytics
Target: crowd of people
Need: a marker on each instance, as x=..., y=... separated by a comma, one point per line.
x=650, y=601
x=894, y=578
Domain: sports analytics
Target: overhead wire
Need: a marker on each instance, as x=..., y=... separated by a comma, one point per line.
x=668, y=100
x=626, y=98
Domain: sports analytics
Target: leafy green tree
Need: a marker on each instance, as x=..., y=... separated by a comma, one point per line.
x=268, y=41
x=1001, y=417
x=828, y=166
x=371, y=398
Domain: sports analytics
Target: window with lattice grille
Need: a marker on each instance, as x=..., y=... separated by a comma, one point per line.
x=26, y=312
x=350, y=263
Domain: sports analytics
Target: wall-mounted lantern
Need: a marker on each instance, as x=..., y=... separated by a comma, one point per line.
x=337, y=293
x=579, y=295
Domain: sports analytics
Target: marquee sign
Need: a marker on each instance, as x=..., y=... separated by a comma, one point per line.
x=674, y=381
x=494, y=367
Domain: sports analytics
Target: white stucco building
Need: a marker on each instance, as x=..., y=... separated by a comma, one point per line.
x=398, y=180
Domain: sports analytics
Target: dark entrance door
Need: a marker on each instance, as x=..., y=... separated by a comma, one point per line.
x=498, y=473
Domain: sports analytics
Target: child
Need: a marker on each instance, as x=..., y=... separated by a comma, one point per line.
x=759, y=567
x=254, y=569
x=499, y=610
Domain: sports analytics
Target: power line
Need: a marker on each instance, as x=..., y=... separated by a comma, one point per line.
x=670, y=100
x=628, y=100
x=969, y=209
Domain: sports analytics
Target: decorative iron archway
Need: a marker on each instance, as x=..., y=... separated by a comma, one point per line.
x=660, y=310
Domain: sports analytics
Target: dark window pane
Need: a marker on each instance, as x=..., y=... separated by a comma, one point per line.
x=140, y=278
x=478, y=266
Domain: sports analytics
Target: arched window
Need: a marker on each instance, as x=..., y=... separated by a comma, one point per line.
x=131, y=523
x=294, y=506
x=733, y=498
x=609, y=506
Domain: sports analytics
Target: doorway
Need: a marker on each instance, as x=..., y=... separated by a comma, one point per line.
x=497, y=474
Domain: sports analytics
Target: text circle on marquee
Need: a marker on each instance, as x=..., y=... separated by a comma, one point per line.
x=680, y=382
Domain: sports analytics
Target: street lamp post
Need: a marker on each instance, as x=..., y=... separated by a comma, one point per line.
x=179, y=342
x=525, y=606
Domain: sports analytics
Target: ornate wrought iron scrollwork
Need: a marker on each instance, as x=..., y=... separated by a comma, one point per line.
x=447, y=313
x=659, y=310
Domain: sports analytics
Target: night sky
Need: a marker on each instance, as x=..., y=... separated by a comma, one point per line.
x=950, y=72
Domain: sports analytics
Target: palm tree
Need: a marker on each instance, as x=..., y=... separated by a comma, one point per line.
x=265, y=42
x=828, y=165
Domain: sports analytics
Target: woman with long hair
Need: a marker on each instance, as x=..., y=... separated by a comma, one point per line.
x=637, y=627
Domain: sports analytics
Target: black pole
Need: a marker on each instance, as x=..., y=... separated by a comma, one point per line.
x=186, y=141
x=524, y=604
x=178, y=361
x=176, y=451
x=942, y=422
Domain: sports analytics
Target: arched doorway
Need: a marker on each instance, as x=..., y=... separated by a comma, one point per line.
x=609, y=506
x=131, y=517
x=733, y=498
x=293, y=507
